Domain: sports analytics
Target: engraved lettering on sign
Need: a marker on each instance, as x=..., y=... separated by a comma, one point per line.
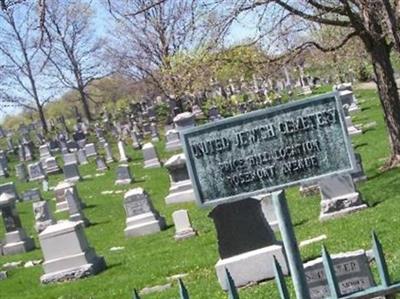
x=268, y=149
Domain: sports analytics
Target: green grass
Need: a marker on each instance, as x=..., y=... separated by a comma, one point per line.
x=149, y=260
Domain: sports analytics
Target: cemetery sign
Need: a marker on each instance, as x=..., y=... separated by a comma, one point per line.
x=268, y=150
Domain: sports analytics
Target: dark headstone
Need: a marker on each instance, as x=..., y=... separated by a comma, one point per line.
x=241, y=227
x=32, y=195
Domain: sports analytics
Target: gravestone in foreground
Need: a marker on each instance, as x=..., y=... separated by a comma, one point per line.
x=183, y=226
x=339, y=197
x=245, y=241
x=141, y=217
x=16, y=240
x=352, y=272
x=67, y=254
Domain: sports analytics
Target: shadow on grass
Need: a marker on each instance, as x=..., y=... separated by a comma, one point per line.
x=365, y=108
x=369, y=129
x=301, y=222
x=90, y=206
x=98, y=223
x=360, y=145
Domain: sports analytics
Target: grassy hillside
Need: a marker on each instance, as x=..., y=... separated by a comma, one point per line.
x=150, y=260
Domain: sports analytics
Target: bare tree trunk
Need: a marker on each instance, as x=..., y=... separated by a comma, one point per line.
x=389, y=95
x=85, y=105
x=42, y=118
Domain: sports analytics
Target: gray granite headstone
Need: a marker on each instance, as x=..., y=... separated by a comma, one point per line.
x=43, y=216
x=339, y=196
x=241, y=227
x=32, y=195
x=36, y=172
x=352, y=272
x=123, y=175
x=81, y=155
x=9, y=188
x=90, y=150
x=71, y=172
x=101, y=164
x=21, y=172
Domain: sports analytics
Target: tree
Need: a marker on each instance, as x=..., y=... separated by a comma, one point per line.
x=374, y=22
x=22, y=63
x=150, y=35
x=73, y=47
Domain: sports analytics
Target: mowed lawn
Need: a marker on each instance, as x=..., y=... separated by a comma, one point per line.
x=150, y=260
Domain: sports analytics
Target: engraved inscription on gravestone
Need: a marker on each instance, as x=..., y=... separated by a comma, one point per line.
x=268, y=149
x=352, y=272
x=136, y=205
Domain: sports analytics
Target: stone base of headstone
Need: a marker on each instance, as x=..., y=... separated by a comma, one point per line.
x=353, y=131
x=153, y=163
x=67, y=254
x=308, y=190
x=80, y=218
x=61, y=206
x=73, y=179
x=123, y=182
x=340, y=206
x=3, y=275
x=41, y=226
x=144, y=224
x=155, y=139
x=17, y=242
x=246, y=268
x=173, y=142
x=186, y=234
x=354, y=108
x=180, y=192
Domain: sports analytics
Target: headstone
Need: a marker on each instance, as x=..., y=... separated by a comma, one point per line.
x=352, y=271
x=150, y=156
x=21, y=172
x=21, y=153
x=154, y=132
x=67, y=254
x=339, y=197
x=43, y=216
x=3, y=171
x=16, y=240
x=28, y=153
x=9, y=188
x=32, y=195
x=52, y=166
x=109, y=156
x=352, y=129
x=70, y=158
x=268, y=210
x=123, y=175
x=45, y=185
x=142, y=218
x=81, y=155
x=135, y=140
x=44, y=152
x=181, y=189
x=36, y=172
x=100, y=164
x=245, y=241
x=3, y=160
x=183, y=227
x=122, y=156
x=358, y=174
x=184, y=120
x=71, y=173
x=59, y=192
x=173, y=142
x=3, y=274
x=90, y=150
x=308, y=188
x=74, y=207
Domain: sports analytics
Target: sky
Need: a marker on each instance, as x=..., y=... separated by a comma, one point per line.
x=239, y=31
